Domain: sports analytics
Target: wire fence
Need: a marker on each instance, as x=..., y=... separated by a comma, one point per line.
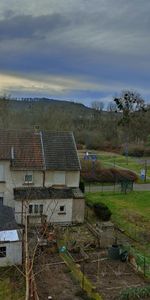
x=139, y=261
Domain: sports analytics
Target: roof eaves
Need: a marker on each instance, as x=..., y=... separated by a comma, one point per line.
x=43, y=153
x=76, y=149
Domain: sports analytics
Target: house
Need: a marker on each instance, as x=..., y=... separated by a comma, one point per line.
x=10, y=238
x=39, y=176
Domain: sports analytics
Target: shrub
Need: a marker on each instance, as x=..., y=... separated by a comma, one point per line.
x=135, y=150
x=102, y=211
x=135, y=293
x=147, y=151
x=95, y=173
x=121, y=175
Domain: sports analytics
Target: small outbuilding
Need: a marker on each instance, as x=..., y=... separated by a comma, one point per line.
x=10, y=247
x=10, y=238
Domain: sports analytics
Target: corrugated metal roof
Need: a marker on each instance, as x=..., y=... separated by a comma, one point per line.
x=9, y=236
x=35, y=193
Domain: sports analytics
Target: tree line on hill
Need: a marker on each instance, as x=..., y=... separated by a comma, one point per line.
x=94, y=128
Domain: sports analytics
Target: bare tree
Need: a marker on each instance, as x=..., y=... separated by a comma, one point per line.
x=111, y=107
x=128, y=104
x=97, y=105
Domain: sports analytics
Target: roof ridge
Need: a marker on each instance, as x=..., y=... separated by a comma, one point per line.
x=43, y=152
x=76, y=149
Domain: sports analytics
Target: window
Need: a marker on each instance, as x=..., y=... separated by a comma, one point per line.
x=36, y=209
x=62, y=209
x=30, y=209
x=28, y=178
x=1, y=201
x=2, y=251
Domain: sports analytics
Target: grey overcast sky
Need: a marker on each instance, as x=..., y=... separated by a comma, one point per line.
x=81, y=50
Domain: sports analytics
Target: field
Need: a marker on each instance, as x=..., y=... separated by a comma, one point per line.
x=131, y=212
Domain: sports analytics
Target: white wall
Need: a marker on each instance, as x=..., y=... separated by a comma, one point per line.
x=13, y=254
x=72, y=178
x=16, y=179
x=51, y=210
x=68, y=178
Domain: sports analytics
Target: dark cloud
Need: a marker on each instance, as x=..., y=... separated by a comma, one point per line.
x=105, y=40
x=28, y=26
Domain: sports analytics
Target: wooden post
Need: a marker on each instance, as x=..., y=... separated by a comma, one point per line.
x=26, y=257
x=98, y=265
x=83, y=269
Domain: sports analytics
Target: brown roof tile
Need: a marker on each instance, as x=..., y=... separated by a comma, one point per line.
x=26, y=146
x=45, y=150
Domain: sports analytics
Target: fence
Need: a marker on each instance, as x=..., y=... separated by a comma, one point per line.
x=140, y=262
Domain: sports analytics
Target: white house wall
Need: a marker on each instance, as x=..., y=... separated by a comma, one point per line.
x=13, y=254
x=51, y=208
x=13, y=179
x=18, y=178
x=7, y=187
x=68, y=178
x=72, y=178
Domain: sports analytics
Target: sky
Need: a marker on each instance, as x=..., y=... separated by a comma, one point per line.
x=78, y=50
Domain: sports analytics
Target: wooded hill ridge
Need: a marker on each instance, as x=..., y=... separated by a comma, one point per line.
x=92, y=128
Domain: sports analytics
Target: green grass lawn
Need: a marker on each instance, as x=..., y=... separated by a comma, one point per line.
x=11, y=284
x=130, y=211
x=109, y=159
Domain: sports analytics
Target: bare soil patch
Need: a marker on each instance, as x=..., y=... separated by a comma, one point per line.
x=55, y=280
x=111, y=276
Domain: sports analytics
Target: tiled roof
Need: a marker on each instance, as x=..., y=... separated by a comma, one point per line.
x=26, y=146
x=60, y=151
x=45, y=150
x=35, y=193
x=7, y=219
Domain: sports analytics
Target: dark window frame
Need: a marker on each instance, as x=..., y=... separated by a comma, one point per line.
x=30, y=208
x=27, y=180
x=2, y=252
x=36, y=208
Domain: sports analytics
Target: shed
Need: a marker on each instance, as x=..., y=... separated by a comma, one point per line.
x=10, y=247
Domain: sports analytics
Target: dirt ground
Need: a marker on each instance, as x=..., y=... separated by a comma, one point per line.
x=108, y=276
x=111, y=276
x=55, y=280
